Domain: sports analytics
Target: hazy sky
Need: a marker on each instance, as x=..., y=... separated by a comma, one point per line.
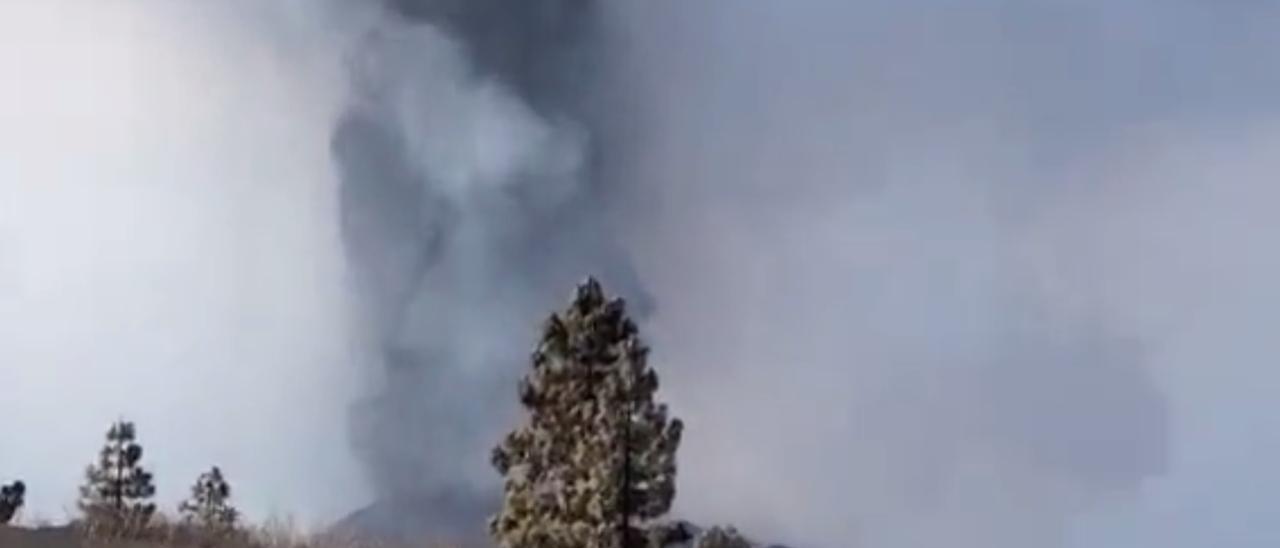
x=988, y=274
x=919, y=188
x=167, y=251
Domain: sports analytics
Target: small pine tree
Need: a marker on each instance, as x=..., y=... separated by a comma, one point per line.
x=12, y=497
x=209, y=507
x=594, y=463
x=117, y=489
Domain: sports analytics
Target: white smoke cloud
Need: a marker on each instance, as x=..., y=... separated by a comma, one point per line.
x=464, y=133
x=453, y=181
x=169, y=224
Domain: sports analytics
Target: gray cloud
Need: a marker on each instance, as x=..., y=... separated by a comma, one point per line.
x=932, y=263
x=469, y=207
x=777, y=188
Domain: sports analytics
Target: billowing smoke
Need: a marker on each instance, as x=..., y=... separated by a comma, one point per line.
x=899, y=257
x=468, y=209
x=915, y=275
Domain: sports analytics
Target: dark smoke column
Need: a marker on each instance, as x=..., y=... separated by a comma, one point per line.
x=456, y=277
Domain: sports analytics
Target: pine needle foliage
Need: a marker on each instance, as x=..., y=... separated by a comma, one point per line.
x=209, y=506
x=116, y=495
x=595, y=462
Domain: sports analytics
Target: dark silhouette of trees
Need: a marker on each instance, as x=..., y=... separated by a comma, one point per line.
x=209, y=506
x=12, y=497
x=726, y=537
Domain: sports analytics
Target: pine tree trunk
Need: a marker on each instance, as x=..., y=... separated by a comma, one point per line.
x=624, y=499
x=118, y=484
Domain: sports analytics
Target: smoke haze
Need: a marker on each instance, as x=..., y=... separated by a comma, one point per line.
x=990, y=277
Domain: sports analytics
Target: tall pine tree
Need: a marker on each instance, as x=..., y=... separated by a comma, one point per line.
x=594, y=463
x=117, y=490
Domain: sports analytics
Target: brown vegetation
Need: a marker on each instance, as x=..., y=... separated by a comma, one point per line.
x=165, y=534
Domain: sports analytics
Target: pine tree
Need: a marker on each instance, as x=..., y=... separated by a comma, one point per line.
x=117, y=489
x=594, y=463
x=209, y=507
x=11, y=499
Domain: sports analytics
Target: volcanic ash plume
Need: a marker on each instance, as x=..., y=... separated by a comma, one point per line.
x=467, y=190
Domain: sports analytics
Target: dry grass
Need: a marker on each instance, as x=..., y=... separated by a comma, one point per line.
x=165, y=533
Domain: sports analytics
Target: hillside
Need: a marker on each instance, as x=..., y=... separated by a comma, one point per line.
x=65, y=537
